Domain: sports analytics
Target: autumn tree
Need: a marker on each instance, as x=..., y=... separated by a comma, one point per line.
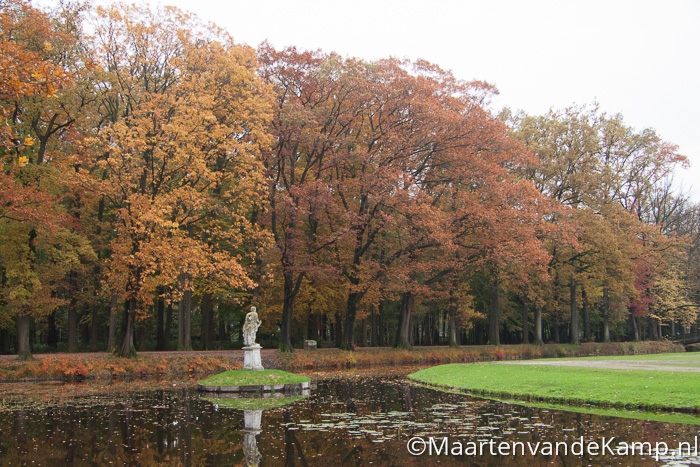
x=175, y=154
x=606, y=172
x=317, y=111
x=39, y=240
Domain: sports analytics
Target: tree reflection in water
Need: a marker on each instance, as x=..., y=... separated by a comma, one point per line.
x=350, y=420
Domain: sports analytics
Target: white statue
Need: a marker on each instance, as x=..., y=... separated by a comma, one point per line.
x=250, y=327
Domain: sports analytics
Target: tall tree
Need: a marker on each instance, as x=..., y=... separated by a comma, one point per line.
x=37, y=242
x=607, y=173
x=175, y=156
x=317, y=111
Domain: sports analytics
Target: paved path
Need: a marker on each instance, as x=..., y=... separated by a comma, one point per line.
x=675, y=364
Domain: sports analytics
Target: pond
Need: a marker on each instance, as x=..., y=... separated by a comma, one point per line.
x=349, y=419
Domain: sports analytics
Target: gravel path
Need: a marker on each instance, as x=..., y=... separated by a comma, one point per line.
x=675, y=365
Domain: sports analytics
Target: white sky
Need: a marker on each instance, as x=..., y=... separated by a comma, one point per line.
x=640, y=58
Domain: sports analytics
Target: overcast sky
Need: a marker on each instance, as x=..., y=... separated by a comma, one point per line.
x=639, y=58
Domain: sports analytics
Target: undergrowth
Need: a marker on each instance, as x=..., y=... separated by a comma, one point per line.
x=75, y=367
x=333, y=358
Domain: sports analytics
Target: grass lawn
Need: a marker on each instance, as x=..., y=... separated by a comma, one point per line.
x=691, y=359
x=575, y=385
x=253, y=377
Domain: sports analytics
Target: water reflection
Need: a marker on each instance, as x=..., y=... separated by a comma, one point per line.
x=250, y=444
x=253, y=406
x=345, y=421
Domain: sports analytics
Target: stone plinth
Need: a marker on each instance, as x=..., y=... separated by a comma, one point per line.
x=310, y=345
x=251, y=358
x=252, y=419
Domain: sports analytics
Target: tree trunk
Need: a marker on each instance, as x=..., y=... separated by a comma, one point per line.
x=338, y=329
x=290, y=290
x=350, y=315
x=526, y=322
x=112, y=339
x=126, y=349
x=168, y=326
x=453, y=341
x=538, y=325
x=52, y=331
x=207, y=322
x=142, y=335
x=97, y=271
x=184, y=322
x=181, y=319
x=586, y=315
x=188, y=320
x=653, y=328
x=382, y=336
x=73, y=314
x=494, y=314
x=94, y=339
x=574, y=313
x=606, y=315
x=635, y=325
x=24, y=322
x=364, y=332
x=160, y=321
x=403, y=332
x=555, y=328
x=5, y=338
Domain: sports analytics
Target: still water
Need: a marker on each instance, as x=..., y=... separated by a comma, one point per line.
x=348, y=419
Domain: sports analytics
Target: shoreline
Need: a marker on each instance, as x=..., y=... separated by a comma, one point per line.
x=188, y=364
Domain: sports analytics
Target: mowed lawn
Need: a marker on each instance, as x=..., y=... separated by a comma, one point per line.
x=636, y=388
x=253, y=377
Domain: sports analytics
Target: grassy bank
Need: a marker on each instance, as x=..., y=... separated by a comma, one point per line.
x=252, y=378
x=334, y=358
x=649, y=390
x=182, y=365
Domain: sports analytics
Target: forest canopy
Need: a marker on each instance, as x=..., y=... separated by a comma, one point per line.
x=159, y=178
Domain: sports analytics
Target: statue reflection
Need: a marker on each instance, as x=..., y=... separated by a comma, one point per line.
x=251, y=429
x=253, y=407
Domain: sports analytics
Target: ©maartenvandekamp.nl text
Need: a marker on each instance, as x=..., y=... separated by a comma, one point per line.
x=444, y=446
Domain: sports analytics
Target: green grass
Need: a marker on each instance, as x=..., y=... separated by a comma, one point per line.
x=666, y=417
x=688, y=359
x=571, y=385
x=657, y=416
x=253, y=403
x=253, y=377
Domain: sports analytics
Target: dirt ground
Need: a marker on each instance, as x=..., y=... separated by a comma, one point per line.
x=675, y=364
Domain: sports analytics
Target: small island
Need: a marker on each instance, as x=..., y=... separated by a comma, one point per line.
x=254, y=381
x=253, y=378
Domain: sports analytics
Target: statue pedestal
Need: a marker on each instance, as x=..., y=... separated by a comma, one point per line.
x=251, y=358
